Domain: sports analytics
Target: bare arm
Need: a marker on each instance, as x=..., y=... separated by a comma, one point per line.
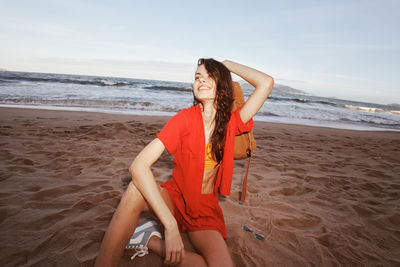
x=263, y=84
x=144, y=181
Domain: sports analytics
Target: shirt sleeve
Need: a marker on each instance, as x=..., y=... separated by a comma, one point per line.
x=172, y=131
x=242, y=127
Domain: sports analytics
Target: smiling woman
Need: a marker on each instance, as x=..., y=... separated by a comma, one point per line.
x=196, y=136
x=203, y=86
x=210, y=76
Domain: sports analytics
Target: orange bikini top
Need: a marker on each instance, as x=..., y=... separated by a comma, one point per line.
x=209, y=162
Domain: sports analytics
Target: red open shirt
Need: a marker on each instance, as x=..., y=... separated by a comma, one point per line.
x=183, y=136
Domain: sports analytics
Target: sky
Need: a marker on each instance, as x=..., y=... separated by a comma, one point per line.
x=343, y=49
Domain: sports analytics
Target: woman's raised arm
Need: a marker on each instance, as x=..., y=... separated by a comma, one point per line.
x=263, y=84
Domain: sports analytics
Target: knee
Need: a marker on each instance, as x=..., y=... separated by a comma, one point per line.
x=132, y=197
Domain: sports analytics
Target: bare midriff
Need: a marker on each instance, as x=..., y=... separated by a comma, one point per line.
x=209, y=176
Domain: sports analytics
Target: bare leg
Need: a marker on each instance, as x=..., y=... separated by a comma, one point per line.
x=191, y=259
x=121, y=227
x=208, y=243
x=124, y=222
x=212, y=247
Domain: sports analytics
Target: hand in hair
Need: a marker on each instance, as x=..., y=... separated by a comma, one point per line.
x=263, y=84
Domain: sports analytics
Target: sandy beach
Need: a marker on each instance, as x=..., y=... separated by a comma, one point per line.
x=320, y=196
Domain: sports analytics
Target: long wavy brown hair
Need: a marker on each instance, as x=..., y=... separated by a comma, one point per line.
x=223, y=102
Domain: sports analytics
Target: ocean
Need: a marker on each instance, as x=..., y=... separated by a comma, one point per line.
x=151, y=97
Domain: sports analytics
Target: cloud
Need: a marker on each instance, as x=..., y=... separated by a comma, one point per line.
x=141, y=69
x=289, y=80
x=353, y=46
x=158, y=65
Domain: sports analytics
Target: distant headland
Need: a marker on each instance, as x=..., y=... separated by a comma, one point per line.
x=278, y=88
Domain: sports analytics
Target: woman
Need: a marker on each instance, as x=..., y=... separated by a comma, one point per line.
x=201, y=139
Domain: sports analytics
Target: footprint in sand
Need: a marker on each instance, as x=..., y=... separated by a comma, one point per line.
x=55, y=164
x=5, y=155
x=23, y=161
x=290, y=191
x=56, y=192
x=20, y=169
x=4, y=175
x=297, y=220
x=33, y=188
x=44, y=222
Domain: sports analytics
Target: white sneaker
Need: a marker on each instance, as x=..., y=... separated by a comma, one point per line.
x=142, y=235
